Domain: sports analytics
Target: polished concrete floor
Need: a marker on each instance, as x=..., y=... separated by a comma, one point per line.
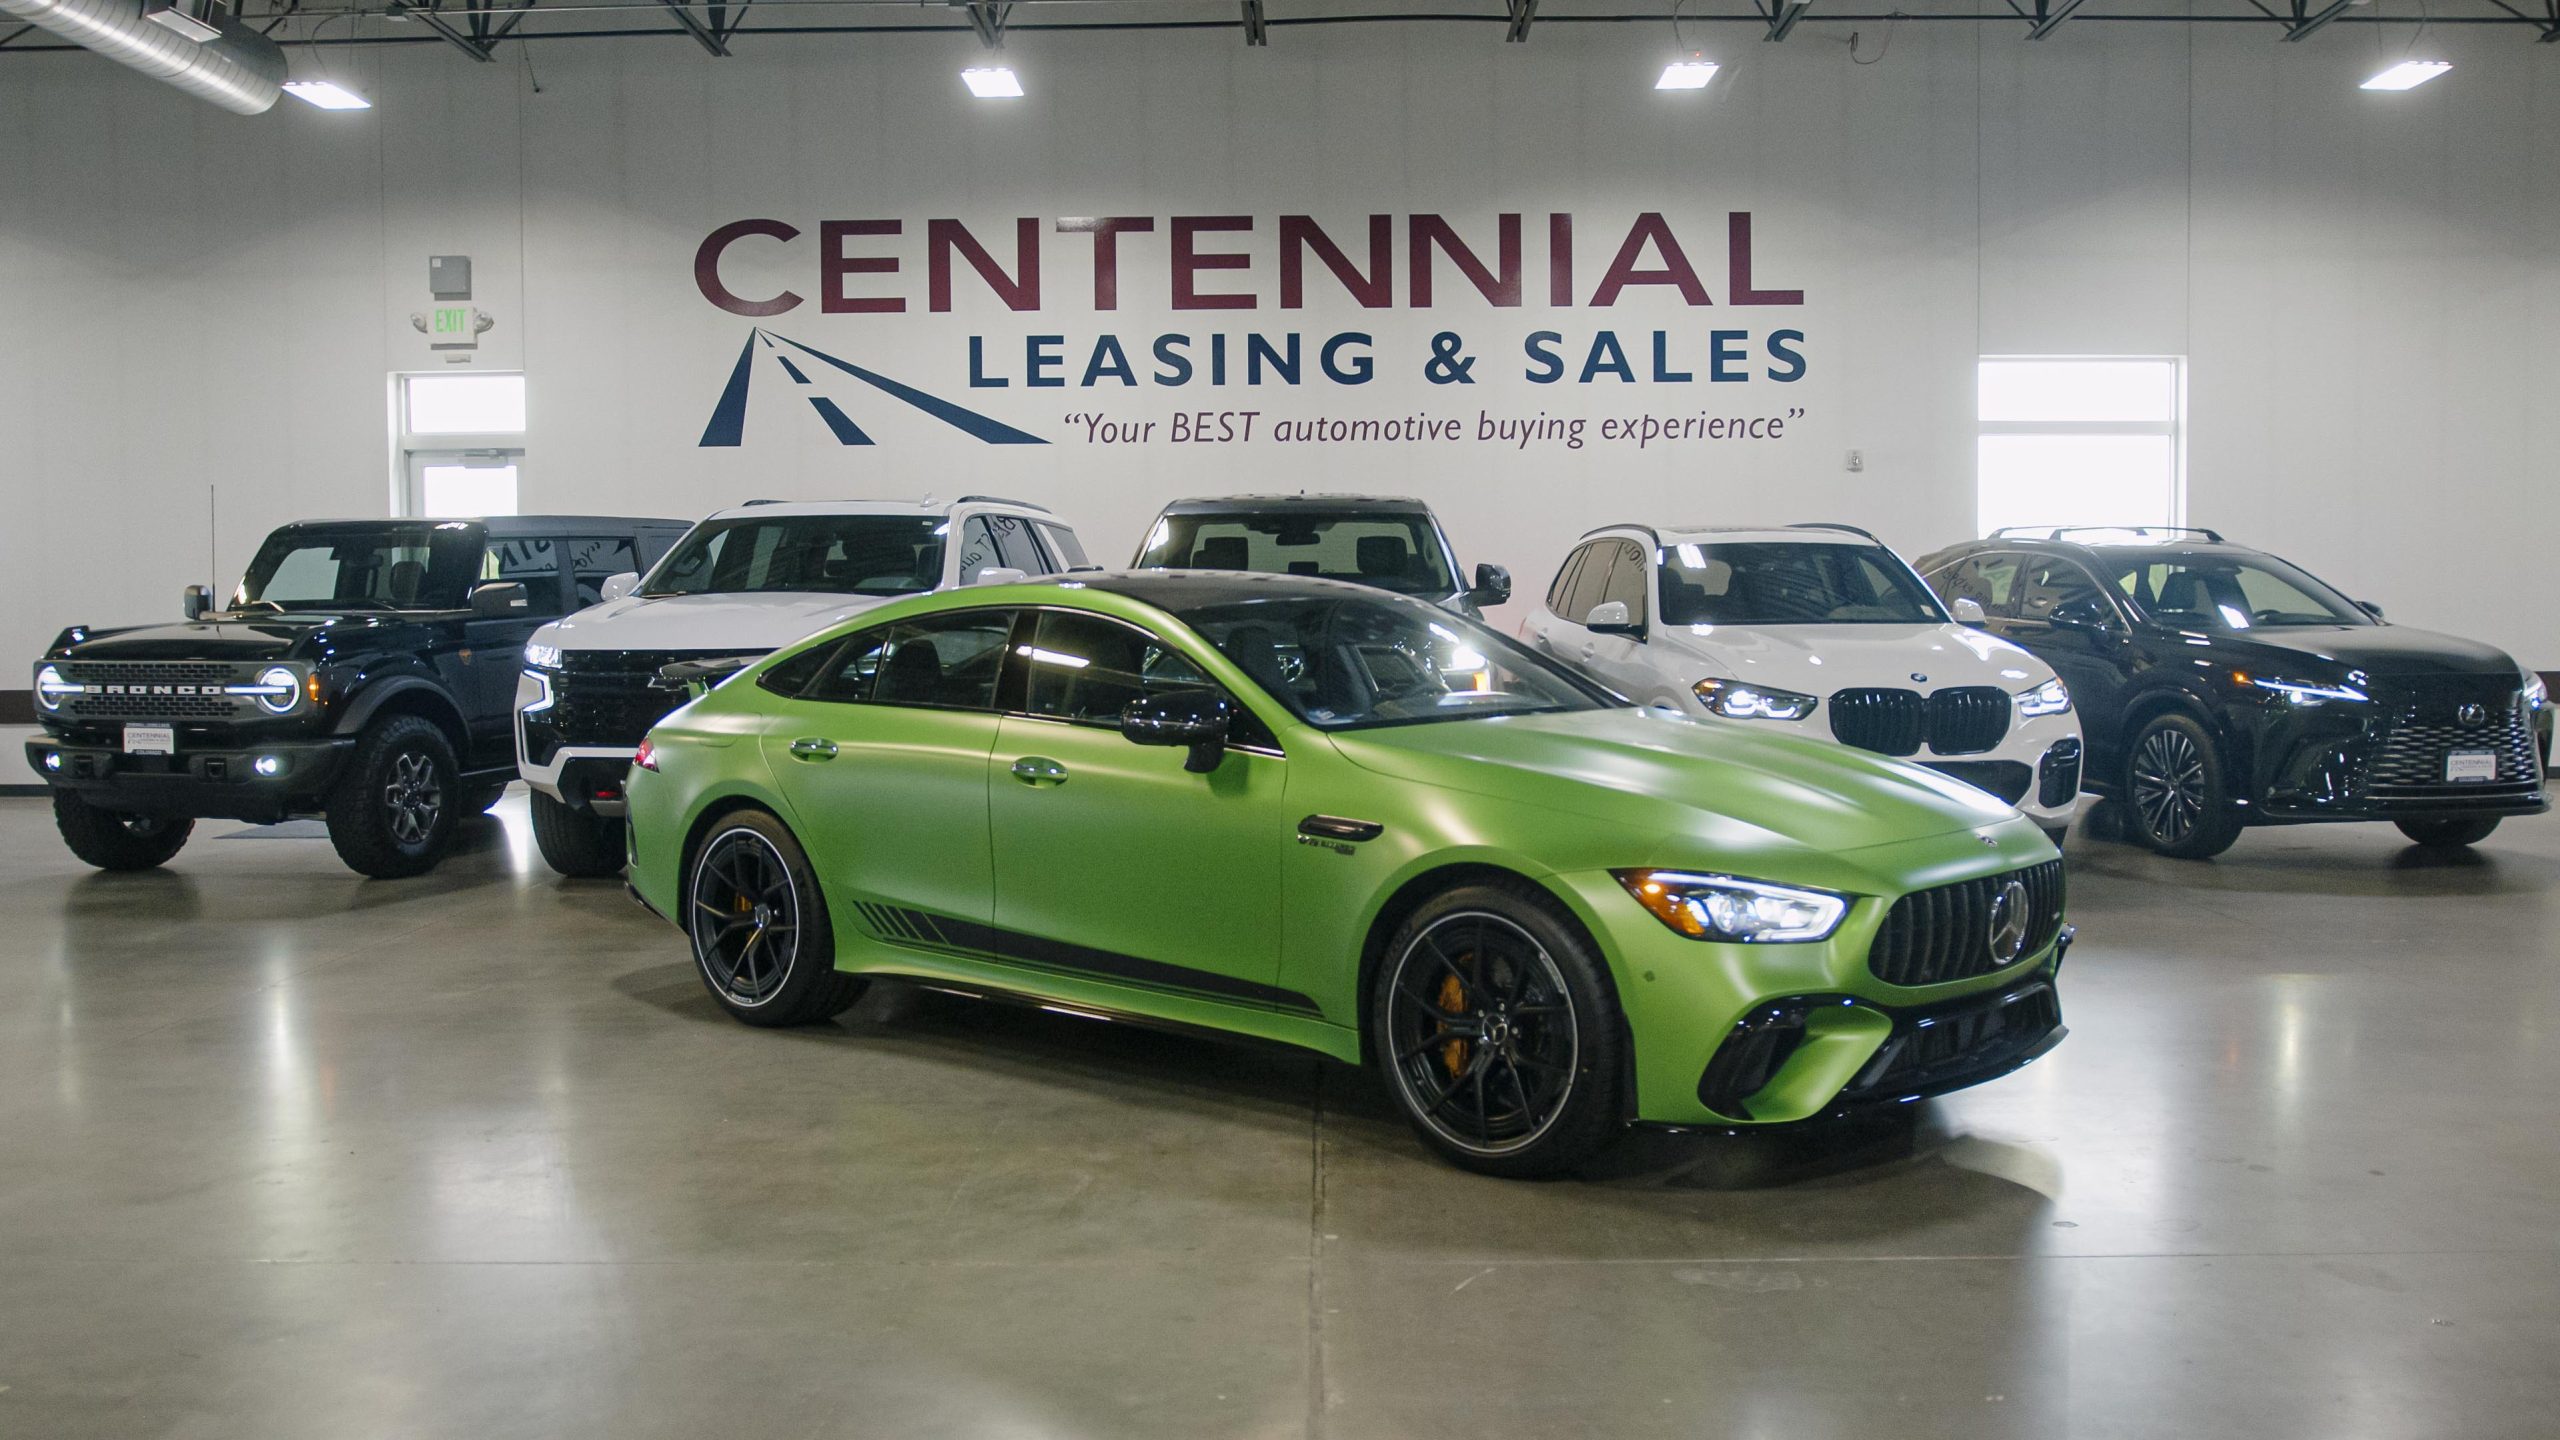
x=286, y=1153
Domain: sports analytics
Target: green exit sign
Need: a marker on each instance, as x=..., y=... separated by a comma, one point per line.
x=451, y=321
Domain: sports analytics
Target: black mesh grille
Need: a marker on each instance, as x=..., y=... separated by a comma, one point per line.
x=1889, y=722
x=1968, y=719
x=604, y=697
x=1930, y=937
x=159, y=690
x=155, y=672
x=2425, y=725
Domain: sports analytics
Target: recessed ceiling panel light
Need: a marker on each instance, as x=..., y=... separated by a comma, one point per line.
x=2407, y=75
x=1690, y=74
x=327, y=94
x=992, y=82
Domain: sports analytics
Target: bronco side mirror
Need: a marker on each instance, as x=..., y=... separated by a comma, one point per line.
x=1493, y=587
x=1198, y=719
x=617, y=586
x=499, y=600
x=195, y=600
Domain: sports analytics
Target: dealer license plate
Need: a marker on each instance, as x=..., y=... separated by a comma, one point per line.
x=151, y=739
x=2471, y=765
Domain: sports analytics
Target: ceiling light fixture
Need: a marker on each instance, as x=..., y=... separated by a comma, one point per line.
x=2407, y=75
x=327, y=94
x=992, y=82
x=1691, y=73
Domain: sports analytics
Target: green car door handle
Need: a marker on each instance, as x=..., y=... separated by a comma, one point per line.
x=1039, y=770
x=813, y=749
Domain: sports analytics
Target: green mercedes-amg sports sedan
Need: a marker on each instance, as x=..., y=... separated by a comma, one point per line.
x=1329, y=816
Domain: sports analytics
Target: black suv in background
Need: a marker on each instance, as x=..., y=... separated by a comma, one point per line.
x=2220, y=687
x=1392, y=543
x=364, y=671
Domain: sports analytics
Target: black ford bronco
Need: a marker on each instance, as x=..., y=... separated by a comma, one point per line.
x=364, y=671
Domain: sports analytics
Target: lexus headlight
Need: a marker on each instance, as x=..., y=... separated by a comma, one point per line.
x=1722, y=907
x=277, y=690
x=1736, y=701
x=2297, y=692
x=541, y=656
x=51, y=688
x=2536, y=694
x=2050, y=698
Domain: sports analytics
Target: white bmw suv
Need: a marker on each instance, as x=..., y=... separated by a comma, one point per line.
x=1825, y=631
x=741, y=584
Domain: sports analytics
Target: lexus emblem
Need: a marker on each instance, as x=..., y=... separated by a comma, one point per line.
x=2472, y=713
x=2009, y=922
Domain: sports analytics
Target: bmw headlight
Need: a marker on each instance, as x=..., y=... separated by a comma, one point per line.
x=2297, y=692
x=1736, y=701
x=2536, y=694
x=2050, y=698
x=1725, y=907
x=541, y=656
x=52, y=688
x=277, y=690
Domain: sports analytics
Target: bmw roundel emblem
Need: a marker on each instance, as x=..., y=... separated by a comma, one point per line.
x=1919, y=679
x=2472, y=713
x=2009, y=920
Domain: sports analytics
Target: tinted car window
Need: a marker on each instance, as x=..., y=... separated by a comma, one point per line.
x=593, y=561
x=1088, y=668
x=999, y=541
x=1590, y=580
x=1627, y=582
x=421, y=566
x=1392, y=551
x=1563, y=585
x=1790, y=583
x=1062, y=544
x=826, y=554
x=2051, y=589
x=2232, y=593
x=1987, y=580
x=946, y=661
x=530, y=561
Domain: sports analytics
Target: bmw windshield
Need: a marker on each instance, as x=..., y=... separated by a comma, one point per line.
x=825, y=554
x=1355, y=662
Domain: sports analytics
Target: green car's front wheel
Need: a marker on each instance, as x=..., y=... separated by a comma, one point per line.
x=1499, y=1034
x=761, y=936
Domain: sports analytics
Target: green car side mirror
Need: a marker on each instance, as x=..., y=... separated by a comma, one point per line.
x=1196, y=719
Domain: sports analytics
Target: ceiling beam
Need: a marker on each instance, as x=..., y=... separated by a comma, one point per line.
x=1784, y=15
x=703, y=35
x=2049, y=16
x=441, y=26
x=1524, y=13
x=2305, y=24
x=987, y=17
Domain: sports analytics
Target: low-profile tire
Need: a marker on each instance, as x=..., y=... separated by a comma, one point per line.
x=114, y=841
x=576, y=842
x=393, y=811
x=2177, y=798
x=762, y=942
x=1499, y=1033
x=2451, y=834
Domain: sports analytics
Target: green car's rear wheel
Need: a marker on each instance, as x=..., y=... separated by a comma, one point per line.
x=1499, y=1034
x=761, y=937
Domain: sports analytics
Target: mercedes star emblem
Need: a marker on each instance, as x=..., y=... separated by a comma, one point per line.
x=2009, y=922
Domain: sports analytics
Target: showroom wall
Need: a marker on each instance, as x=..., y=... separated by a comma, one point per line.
x=204, y=309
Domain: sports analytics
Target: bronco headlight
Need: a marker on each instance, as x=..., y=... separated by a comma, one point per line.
x=277, y=690
x=1724, y=907
x=2050, y=698
x=541, y=656
x=51, y=688
x=2297, y=692
x=1736, y=701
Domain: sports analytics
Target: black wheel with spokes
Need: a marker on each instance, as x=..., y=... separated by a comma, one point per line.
x=112, y=840
x=2177, y=800
x=761, y=937
x=1499, y=1033
x=393, y=809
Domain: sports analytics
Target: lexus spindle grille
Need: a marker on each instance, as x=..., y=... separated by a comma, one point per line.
x=2424, y=726
x=1930, y=937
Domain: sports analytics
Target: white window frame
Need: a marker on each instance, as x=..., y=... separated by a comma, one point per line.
x=410, y=450
x=2175, y=427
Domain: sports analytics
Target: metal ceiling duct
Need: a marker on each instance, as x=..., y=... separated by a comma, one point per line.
x=243, y=71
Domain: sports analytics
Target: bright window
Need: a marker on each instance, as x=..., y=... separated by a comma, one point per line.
x=464, y=404
x=2081, y=440
x=464, y=486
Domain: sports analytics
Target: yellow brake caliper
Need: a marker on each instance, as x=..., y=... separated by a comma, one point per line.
x=1453, y=999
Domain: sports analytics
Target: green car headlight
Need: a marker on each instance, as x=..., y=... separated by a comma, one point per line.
x=1728, y=908
x=1736, y=701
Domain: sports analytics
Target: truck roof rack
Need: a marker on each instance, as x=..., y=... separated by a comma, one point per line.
x=1002, y=500
x=1629, y=525
x=2147, y=532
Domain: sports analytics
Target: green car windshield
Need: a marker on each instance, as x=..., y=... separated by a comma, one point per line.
x=1357, y=662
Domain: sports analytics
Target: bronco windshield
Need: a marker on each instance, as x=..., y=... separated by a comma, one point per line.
x=1791, y=583
x=1399, y=551
x=824, y=554
x=425, y=565
x=1353, y=662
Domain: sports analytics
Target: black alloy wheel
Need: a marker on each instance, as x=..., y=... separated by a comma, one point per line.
x=2177, y=801
x=413, y=797
x=113, y=840
x=1499, y=1035
x=395, y=807
x=761, y=938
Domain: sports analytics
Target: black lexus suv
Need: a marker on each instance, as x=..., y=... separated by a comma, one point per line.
x=1391, y=543
x=364, y=671
x=2221, y=687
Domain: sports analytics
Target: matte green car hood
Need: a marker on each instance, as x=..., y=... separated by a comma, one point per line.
x=1656, y=772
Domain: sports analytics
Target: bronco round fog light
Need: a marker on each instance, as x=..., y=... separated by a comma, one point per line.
x=267, y=765
x=53, y=760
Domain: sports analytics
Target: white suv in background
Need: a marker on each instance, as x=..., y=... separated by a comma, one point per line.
x=742, y=583
x=1820, y=629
